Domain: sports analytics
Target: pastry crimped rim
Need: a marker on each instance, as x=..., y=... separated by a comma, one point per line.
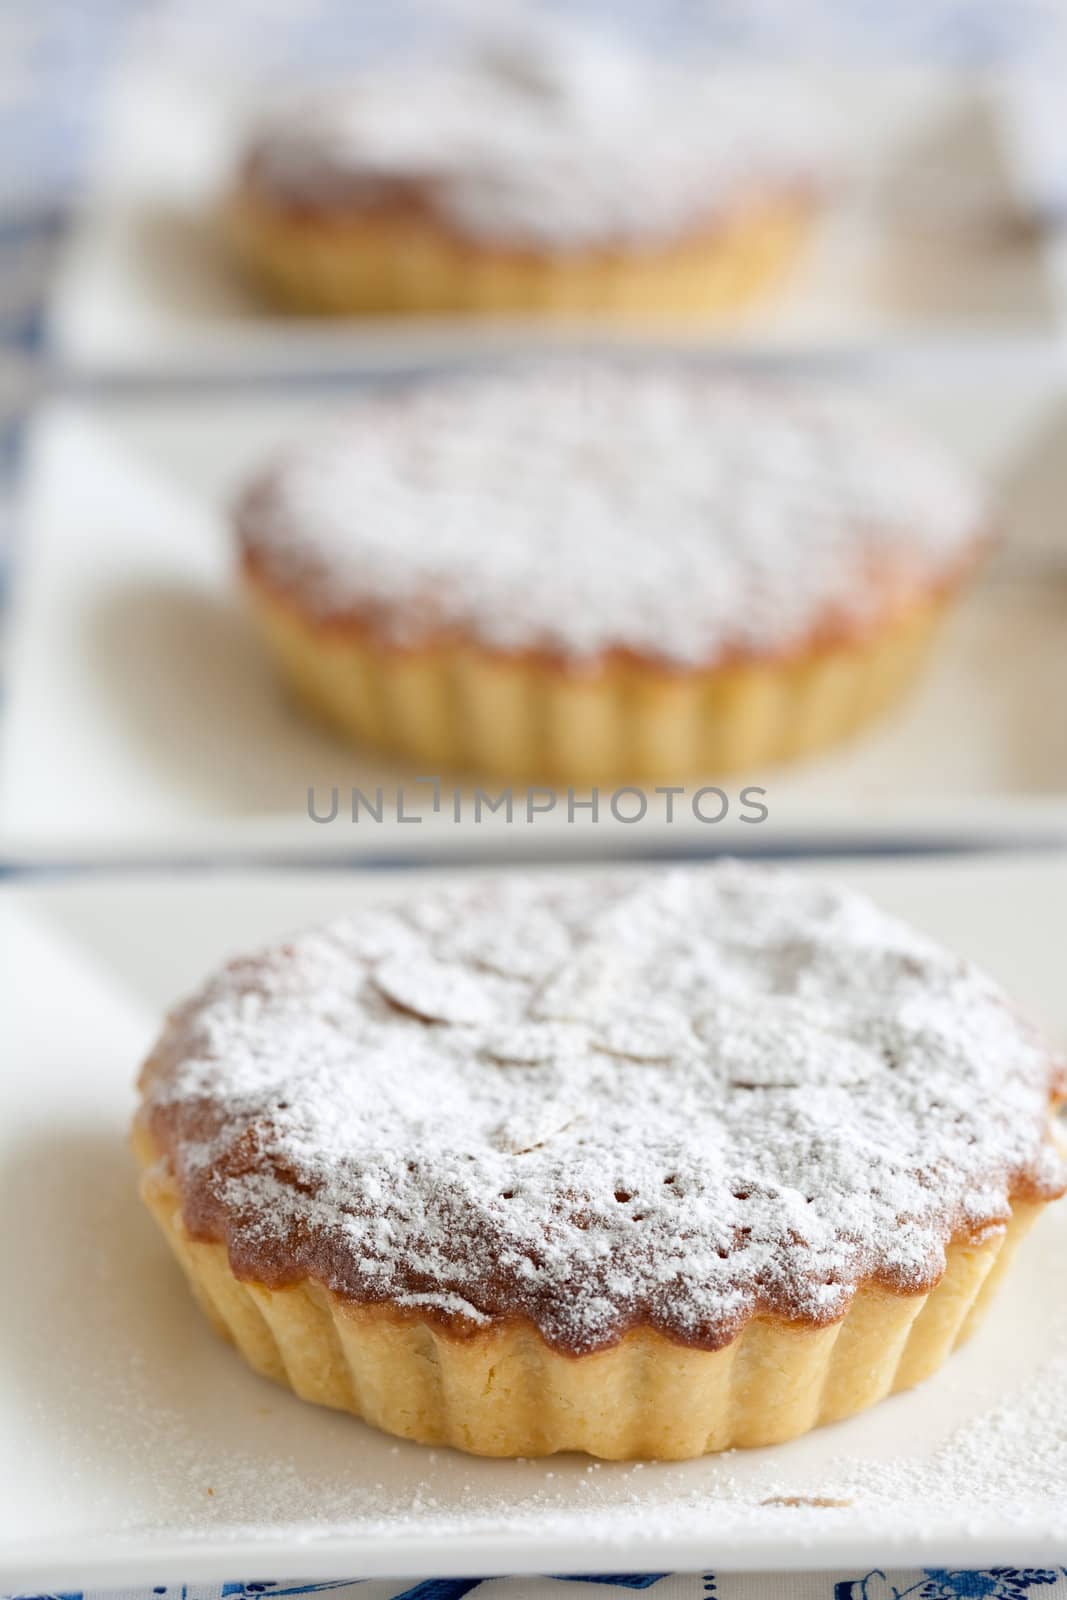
x=353, y=262
x=501, y=1390
x=528, y=716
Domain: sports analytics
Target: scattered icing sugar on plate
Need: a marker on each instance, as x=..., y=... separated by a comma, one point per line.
x=1002, y=1465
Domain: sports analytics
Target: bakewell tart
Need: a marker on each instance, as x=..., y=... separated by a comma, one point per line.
x=581, y=576
x=644, y=1166
x=572, y=181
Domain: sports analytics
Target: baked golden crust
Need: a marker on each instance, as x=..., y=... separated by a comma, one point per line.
x=528, y=716
x=405, y=259
x=650, y=1164
x=502, y=1390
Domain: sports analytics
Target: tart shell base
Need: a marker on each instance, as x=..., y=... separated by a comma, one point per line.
x=409, y=264
x=526, y=717
x=502, y=1391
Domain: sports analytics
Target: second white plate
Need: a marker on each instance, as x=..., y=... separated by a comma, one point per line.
x=142, y=714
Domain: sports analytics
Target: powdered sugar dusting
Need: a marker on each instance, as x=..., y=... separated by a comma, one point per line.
x=669, y=514
x=1011, y=1458
x=773, y=1092
x=560, y=149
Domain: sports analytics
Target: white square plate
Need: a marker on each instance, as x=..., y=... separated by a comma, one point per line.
x=925, y=239
x=134, y=1446
x=141, y=709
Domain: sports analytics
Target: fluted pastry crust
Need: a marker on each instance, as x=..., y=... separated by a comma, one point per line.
x=529, y=717
x=502, y=1391
x=409, y=263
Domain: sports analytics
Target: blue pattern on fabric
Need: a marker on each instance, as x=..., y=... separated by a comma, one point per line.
x=625, y=1580
x=252, y=1591
x=440, y=1589
x=933, y=1583
x=942, y=1583
x=76, y=1594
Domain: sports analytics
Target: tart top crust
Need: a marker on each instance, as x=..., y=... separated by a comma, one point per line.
x=663, y=514
x=679, y=1100
x=543, y=149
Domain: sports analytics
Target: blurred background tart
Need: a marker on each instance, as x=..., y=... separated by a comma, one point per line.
x=523, y=177
x=605, y=574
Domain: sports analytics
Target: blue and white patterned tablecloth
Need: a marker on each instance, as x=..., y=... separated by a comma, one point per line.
x=998, y=1583
x=57, y=58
